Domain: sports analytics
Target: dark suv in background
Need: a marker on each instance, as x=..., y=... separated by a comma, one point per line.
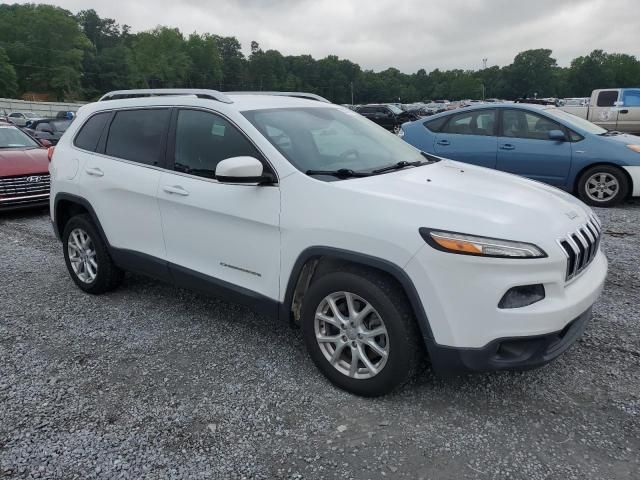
x=387, y=116
x=47, y=129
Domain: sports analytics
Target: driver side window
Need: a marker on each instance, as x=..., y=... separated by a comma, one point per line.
x=521, y=124
x=204, y=139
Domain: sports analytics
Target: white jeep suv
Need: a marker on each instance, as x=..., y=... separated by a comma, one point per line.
x=308, y=211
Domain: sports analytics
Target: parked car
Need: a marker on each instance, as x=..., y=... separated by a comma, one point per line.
x=307, y=211
x=48, y=128
x=65, y=115
x=24, y=175
x=388, y=116
x=611, y=108
x=540, y=142
x=21, y=118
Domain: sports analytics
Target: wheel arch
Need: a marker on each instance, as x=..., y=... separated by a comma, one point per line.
x=578, y=176
x=318, y=257
x=66, y=206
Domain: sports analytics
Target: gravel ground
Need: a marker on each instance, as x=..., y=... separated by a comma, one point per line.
x=151, y=381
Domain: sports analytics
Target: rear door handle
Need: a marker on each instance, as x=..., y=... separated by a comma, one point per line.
x=443, y=142
x=95, y=172
x=175, y=190
x=507, y=146
x=624, y=111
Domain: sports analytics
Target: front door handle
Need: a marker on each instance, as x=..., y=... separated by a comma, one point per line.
x=175, y=190
x=95, y=172
x=444, y=142
x=624, y=111
x=507, y=146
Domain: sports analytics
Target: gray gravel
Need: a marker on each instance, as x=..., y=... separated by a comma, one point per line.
x=151, y=381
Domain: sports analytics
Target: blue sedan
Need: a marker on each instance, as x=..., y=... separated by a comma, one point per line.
x=539, y=142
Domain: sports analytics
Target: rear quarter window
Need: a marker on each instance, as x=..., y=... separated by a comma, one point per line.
x=89, y=134
x=436, y=124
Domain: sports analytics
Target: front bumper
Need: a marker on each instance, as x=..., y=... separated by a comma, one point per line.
x=516, y=353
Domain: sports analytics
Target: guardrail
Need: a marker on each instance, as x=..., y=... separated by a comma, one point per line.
x=44, y=109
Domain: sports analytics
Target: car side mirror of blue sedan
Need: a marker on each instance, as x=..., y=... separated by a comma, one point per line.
x=557, y=135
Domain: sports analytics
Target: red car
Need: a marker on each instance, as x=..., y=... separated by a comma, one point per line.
x=24, y=170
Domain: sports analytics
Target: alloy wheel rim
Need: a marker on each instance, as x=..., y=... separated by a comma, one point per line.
x=82, y=255
x=351, y=335
x=602, y=187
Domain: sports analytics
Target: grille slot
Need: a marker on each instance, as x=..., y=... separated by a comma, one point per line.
x=581, y=247
x=23, y=189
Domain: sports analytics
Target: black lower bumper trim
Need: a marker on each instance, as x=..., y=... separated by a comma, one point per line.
x=10, y=207
x=516, y=353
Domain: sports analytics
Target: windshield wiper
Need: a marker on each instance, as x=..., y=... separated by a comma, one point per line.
x=341, y=173
x=611, y=133
x=399, y=165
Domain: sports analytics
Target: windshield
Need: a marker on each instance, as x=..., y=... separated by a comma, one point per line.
x=60, y=125
x=12, y=137
x=320, y=138
x=30, y=115
x=574, y=121
x=395, y=109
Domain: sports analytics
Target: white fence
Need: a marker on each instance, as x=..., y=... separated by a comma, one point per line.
x=44, y=109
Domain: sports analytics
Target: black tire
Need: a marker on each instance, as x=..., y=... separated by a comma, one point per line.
x=108, y=275
x=607, y=170
x=404, y=339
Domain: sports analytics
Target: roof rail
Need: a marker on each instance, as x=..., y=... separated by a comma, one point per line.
x=159, y=92
x=308, y=96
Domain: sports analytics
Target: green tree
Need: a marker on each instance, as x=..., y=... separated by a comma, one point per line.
x=206, y=62
x=46, y=47
x=532, y=71
x=8, y=79
x=159, y=58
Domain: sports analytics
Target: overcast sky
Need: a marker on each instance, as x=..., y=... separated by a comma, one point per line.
x=406, y=34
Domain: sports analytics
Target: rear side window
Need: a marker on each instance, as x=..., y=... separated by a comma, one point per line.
x=607, y=98
x=436, y=124
x=138, y=135
x=89, y=134
x=479, y=122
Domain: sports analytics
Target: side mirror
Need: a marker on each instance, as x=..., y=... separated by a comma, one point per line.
x=557, y=135
x=619, y=103
x=45, y=143
x=241, y=170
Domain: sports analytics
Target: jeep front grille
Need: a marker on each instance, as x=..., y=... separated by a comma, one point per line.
x=581, y=246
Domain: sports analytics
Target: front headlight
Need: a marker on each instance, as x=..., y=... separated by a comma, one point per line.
x=464, y=244
x=635, y=148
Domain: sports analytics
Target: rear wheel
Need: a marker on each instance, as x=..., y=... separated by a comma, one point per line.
x=603, y=186
x=360, y=332
x=87, y=258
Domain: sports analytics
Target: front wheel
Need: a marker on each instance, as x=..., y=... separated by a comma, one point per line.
x=360, y=332
x=603, y=186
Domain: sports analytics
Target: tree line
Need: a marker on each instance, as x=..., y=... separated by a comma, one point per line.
x=49, y=50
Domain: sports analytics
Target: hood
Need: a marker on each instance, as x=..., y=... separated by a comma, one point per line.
x=623, y=138
x=465, y=198
x=23, y=161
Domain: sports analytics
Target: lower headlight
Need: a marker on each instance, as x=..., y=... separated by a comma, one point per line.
x=464, y=244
